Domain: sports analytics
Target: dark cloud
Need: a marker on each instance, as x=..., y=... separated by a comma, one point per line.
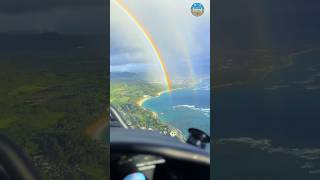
x=14, y=7
x=64, y=16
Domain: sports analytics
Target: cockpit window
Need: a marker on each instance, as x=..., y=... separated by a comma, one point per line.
x=160, y=65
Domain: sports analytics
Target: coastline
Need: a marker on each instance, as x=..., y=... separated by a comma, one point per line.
x=143, y=99
x=177, y=131
x=147, y=97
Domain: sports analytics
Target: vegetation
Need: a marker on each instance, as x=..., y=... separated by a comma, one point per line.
x=46, y=104
x=125, y=97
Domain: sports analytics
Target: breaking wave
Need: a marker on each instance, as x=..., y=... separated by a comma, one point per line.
x=205, y=111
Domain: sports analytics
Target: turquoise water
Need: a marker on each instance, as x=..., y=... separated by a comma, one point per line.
x=183, y=108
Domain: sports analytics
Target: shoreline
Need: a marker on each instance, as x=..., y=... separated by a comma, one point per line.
x=167, y=91
x=147, y=97
x=140, y=102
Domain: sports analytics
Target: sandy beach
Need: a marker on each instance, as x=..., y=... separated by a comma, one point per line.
x=166, y=91
x=161, y=92
x=142, y=100
x=147, y=97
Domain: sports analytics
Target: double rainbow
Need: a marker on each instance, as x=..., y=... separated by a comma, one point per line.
x=150, y=40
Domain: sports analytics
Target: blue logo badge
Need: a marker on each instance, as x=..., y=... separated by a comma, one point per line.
x=197, y=9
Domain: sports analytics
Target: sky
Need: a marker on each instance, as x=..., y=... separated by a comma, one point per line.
x=63, y=16
x=183, y=39
x=180, y=36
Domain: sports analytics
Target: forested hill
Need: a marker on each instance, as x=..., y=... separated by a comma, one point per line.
x=53, y=87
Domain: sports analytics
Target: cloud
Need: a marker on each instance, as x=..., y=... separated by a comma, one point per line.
x=15, y=7
x=135, y=68
x=58, y=16
x=133, y=56
x=180, y=36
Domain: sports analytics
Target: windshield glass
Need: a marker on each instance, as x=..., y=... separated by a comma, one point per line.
x=160, y=65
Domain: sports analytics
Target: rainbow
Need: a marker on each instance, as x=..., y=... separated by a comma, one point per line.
x=150, y=40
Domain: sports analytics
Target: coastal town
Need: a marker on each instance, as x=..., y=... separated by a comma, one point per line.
x=128, y=99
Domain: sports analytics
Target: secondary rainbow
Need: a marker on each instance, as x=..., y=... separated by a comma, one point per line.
x=149, y=38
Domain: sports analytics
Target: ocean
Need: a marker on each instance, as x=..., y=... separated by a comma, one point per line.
x=184, y=108
x=284, y=107
x=270, y=129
